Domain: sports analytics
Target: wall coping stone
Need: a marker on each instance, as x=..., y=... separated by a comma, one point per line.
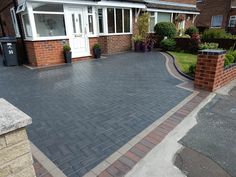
x=11, y=118
x=211, y=52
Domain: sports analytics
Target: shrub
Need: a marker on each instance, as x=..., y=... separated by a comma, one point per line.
x=229, y=59
x=96, y=46
x=168, y=44
x=191, y=30
x=184, y=36
x=209, y=46
x=195, y=43
x=137, y=38
x=66, y=48
x=217, y=34
x=234, y=55
x=143, y=25
x=164, y=29
x=192, y=69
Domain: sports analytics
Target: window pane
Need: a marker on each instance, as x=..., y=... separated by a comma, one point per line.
x=152, y=24
x=27, y=26
x=119, y=25
x=90, y=21
x=126, y=21
x=47, y=7
x=49, y=25
x=163, y=17
x=90, y=9
x=80, y=24
x=73, y=22
x=100, y=19
x=216, y=21
x=110, y=20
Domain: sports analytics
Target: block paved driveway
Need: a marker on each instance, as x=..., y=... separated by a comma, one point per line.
x=84, y=112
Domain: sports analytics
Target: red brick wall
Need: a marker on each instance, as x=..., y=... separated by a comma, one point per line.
x=43, y=53
x=92, y=42
x=211, y=73
x=115, y=44
x=210, y=8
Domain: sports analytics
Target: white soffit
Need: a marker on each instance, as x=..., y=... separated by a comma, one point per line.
x=172, y=11
x=93, y=3
x=170, y=3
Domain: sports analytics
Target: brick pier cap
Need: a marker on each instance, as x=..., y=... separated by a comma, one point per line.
x=11, y=118
x=211, y=52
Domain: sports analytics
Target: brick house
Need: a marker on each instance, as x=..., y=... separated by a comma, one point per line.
x=217, y=14
x=45, y=26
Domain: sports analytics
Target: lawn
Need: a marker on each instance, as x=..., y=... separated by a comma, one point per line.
x=184, y=60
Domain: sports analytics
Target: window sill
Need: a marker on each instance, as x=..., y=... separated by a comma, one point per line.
x=115, y=34
x=47, y=38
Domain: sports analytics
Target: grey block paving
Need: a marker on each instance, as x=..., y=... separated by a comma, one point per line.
x=84, y=112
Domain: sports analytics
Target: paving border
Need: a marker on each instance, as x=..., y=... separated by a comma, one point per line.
x=44, y=167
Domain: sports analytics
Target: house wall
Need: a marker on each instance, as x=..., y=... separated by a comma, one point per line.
x=209, y=8
x=182, y=1
x=231, y=29
x=5, y=15
x=45, y=53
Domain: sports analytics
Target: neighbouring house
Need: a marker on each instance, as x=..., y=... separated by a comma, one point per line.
x=45, y=26
x=181, y=12
x=217, y=14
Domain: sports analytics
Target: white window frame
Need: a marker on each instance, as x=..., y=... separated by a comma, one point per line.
x=233, y=17
x=155, y=20
x=103, y=21
x=14, y=22
x=106, y=22
x=212, y=21
x=33, y=25
x=95, y=27
x=156, y=17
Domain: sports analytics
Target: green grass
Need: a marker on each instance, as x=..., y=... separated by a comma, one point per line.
x=184, y=60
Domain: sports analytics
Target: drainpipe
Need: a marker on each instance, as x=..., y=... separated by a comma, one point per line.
x=1, y=26
x=21, y=31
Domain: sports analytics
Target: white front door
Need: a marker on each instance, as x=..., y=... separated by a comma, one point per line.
x=77, y=31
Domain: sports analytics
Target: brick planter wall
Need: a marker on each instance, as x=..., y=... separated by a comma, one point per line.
x=210, y=71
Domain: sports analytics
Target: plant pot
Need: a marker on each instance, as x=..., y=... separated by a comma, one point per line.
x=150, y=46
x=97, y=53
x=143, y=47
x=137, y=46
x=67, y=56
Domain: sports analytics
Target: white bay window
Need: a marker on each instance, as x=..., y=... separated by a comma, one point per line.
x=49, y=19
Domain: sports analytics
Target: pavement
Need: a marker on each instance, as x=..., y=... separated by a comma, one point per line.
x=83, y=113
x=210, y=146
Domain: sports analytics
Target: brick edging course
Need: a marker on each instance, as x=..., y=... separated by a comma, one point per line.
x=127, y=161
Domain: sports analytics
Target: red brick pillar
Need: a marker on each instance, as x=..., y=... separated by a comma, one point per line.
x=209, y=69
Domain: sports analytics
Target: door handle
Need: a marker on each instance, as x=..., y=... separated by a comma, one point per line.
x=78, y=35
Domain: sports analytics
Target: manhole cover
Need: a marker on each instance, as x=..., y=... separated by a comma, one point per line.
x=233, y=110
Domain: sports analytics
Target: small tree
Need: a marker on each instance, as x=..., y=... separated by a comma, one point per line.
x=143, y=25
x=165, y=29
